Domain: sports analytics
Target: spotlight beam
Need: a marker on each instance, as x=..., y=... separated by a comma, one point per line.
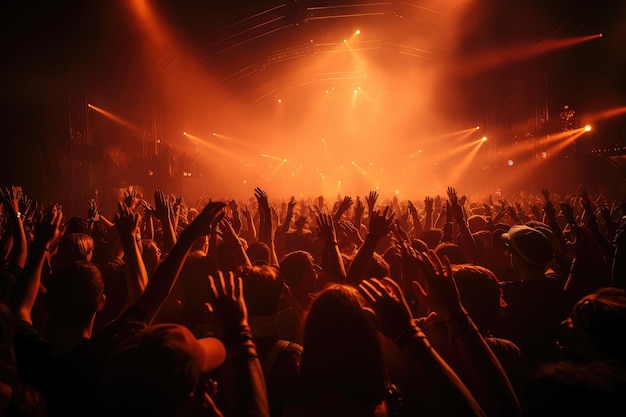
x=117, y=119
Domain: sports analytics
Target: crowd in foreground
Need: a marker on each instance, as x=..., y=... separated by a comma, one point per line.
x=356, y=307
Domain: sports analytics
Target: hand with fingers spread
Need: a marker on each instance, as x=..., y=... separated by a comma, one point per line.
x=126, y=222
x=388, y=302
x=326, y=228
x=262, y=200
x=380, y=223
x=129, y=197
x=371, y=201
x=49, y=229
x=568, y=212
x=439, y=291
x=359, y=208
x=226, y=305
x=162, y=208
x=206, y=219
x=428, y=204
x=350, y=232
x=343, y=206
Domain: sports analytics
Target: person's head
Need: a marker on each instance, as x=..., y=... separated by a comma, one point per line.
x=74, y=247
x=262, y=287
x=480, y=294
x=76, y=225
x=342, y=351
x=528, y=247
x=299, y=273
x=158, y=372
x=452, y=251
x=419, y=245
x=596, y=327
x=432, y=237
x=476, y=223
x=259, y=253
x=574, y=389
x=75, y=293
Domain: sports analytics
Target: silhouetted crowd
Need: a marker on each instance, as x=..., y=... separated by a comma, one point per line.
x=450, y=306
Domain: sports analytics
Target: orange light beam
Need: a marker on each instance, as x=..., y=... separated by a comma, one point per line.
x=451, y=152
x=606, y=114
x=117, y=119
x=277, y=168
x=495, y=58
x=558, y=147
x=264, y=155
x=465, y=162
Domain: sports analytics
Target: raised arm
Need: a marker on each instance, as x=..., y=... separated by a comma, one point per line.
x=331, y=261
x=242, y=375
x=163, y=212
x=265, y=229
x=11, y=201
x=486, y=378
x=27, y=287
x=434, y=390
x=127, y=226
x=380, y=225
x=467, y=240
x=166, y=273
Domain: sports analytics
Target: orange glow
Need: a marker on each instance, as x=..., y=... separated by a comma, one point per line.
x=496, y=58
x=606, y=114
x=117, y=119
x=588, y=128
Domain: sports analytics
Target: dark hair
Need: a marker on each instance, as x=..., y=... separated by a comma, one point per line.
x=74, y=293
x=293, y=266
x=262, y=287
x=73, y=247
x=342, y=351
x=431, y=237
x=452, y=251
x=259, y=251
x=480, y=294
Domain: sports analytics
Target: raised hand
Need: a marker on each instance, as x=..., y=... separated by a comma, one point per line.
x=245, y=212
x=380, y=223
x=325, y=228
x=129, y=197
x=92, y=210
x=439, y=291
x=411, y=208
x=359, y=208
x=206, y=219
x=162, y=208
x=228, y=232
x=371, y=201
x=386, y=299
x=226, y=305
x=428, y=204
x=261, y=198
x=11, y=200
x=350, y=232
x=49, y=229
x=568, y=212
x=343, y=206
x=126, y=222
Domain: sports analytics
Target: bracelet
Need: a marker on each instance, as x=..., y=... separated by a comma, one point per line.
x=405, y=337
x=236, y=336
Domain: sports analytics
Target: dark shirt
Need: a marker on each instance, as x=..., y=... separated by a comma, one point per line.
x=69, y=383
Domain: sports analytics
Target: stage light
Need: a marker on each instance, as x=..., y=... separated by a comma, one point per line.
x=544, y=155
x=477, y=127
x=509, y=162
x=358, y=32
x=185, y=133
x=285, y=160
x=214, y=134
x=345, y=41
x=280, y=100
x=588, y=128
x=484, y=139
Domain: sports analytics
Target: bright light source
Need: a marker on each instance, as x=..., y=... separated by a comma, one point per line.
x=280, y=100
x=509, y=162
x=345, y=41
x=484, y=139
x=477, y=127
x=285, y=160
x=544, y=155
x=358, y=32
x=185, y=133
x=356, y=91
x=587, y=128
x=214, y=134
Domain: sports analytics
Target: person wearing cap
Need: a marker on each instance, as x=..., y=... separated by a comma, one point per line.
x=536, y=302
